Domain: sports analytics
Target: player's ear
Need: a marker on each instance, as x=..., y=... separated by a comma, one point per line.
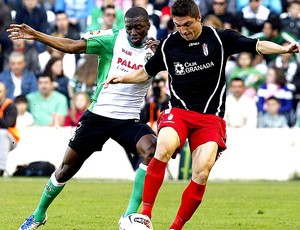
x=148, y=25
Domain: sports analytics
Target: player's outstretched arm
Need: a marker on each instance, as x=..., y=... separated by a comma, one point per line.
x=23, y=31
x=136, y=76
x=266, y=47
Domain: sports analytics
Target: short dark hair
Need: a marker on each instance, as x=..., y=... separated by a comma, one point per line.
x=44, y=75
x=20, y=99
x=107, y=7
x=236, y=79
x=274, y=98
x=61, y=12
x=136, y=11
x=182, y=8
x=275, y=22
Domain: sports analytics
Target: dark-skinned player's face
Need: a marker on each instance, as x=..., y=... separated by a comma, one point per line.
x=137, y=30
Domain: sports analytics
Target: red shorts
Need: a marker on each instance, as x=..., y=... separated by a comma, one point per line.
x=198, y=128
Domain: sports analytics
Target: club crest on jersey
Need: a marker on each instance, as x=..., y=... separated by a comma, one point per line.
x=205, y=49
x=170, y=117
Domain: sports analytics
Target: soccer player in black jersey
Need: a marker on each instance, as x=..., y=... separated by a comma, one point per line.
x=195, y=57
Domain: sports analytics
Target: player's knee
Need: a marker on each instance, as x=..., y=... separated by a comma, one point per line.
x=147, y=153
x=200, y=176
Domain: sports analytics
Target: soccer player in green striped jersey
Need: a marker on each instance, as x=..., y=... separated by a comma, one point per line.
x=113, y=113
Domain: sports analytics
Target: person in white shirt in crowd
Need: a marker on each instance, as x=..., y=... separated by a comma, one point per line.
x=24, y=118
x=241, y=110
x=253, y=16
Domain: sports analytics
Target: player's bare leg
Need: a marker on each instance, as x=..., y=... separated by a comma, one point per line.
x=167, y=142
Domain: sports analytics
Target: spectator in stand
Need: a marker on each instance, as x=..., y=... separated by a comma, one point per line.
x=291, y=19
x=212, y=20
x=253, y=16
x=272, y=32
x=164, y=31
x=77, y=11
x=69, y=60
x=106, y=17
x=219, y=9
x=54, y=68
x=296, y=84
x=24, y=118
x=9, y=134
x=297, y=124
x=153, y=14
x=109, y=17
x=123, y=5
x=241, y=110
x=30, y=52
x=159, y=4
x=272, y=118
x=33, y=15
x=166, y=12
x=251, y=76
x=274, y=5
x=156, y=101
x=63, y=26
x=276, y=86
x=47, y=106
x=79, y=104
x=288, y=63
x=285, y=4
x=85, y=79
x=206, y=6
x=17, y=79
x=5, y=43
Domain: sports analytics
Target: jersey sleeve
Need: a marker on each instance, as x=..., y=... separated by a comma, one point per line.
x=235, y=42
x=155, y=63
x=99, y=41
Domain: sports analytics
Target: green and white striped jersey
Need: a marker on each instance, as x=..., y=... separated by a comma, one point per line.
x=117, y=56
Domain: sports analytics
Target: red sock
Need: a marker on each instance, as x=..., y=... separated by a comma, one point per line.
x=153, y=181
x=190, y=201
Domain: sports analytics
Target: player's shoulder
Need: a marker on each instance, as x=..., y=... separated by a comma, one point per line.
x=99, y=33
x=227, y=33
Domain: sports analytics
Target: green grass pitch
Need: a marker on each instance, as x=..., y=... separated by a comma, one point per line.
x=98, y=204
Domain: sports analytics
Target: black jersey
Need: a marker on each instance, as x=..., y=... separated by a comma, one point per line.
x=197, y=68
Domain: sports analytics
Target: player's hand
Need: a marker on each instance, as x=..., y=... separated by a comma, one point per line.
x=111, y=80
x=20, y=31
x=293, y=48
x=151, y=43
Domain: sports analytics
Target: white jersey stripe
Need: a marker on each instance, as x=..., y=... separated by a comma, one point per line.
x=220, y=74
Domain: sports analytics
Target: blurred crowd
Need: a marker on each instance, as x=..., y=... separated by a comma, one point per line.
x=263, y=91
